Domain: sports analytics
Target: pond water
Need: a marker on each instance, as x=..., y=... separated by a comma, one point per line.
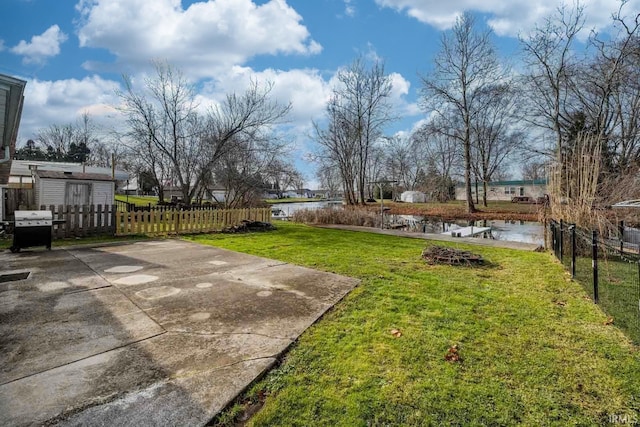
x=513, y=231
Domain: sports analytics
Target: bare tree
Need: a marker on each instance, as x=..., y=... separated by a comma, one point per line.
x=167, y=130
x=465, y=65
x=163, y=125
x=357, y=113
x=495, y=132
x=281, y=174
x=69, y=142
x=551, y=66
x=403, y=161
x=442, y=158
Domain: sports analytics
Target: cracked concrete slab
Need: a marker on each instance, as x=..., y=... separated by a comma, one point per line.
x=152, y=333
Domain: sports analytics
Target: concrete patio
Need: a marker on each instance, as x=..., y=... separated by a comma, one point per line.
x=149, y=333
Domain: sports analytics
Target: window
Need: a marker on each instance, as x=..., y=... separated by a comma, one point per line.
x=509, y=190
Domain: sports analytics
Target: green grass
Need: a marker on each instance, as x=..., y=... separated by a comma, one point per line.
x=618, y=290
x=138, y=200
x=535, y=350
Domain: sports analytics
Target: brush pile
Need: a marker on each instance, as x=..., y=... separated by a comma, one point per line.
x=249, y=226
x=449, y=256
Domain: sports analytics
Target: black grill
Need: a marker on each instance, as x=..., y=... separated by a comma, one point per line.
x=32, y=228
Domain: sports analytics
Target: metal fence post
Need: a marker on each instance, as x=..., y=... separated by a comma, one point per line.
x=572, y=228
x=621, y=231
x=594, y=261
x=552, y=226
x=561, y=239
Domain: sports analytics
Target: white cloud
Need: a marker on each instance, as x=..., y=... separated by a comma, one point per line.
x=41, y=47
x=349, y=8
x=64, y=101
x=201, y=39
x=507, y=18
x=399, y=90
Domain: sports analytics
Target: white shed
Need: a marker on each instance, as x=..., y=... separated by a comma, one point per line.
x=73, y=188
x=413, y=197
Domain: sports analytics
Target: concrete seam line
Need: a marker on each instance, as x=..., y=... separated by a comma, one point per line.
x=99, y=288
x=119, y=290
x=85, y=358
x=211, y=334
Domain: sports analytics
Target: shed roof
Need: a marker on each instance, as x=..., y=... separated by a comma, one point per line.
x=21, y=168
x=79, y=176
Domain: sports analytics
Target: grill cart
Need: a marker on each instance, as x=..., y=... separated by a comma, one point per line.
x=32, y=228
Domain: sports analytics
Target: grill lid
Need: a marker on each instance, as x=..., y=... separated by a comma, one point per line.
x=33, y=216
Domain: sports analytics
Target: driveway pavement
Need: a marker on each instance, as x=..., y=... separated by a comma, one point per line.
x=150, y=333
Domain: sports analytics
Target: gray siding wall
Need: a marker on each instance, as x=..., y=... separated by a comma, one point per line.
x=50, y=191
x=53, y=191
x=102, y=193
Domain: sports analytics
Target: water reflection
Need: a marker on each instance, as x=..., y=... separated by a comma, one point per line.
x=514, y=231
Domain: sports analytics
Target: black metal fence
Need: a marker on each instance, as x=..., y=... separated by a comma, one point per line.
x=607, y=266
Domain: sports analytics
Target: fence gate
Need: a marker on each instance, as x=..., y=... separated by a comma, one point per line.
x=18, y=199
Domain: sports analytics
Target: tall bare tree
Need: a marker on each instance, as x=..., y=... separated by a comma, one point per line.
x=496, y=134
x=166, y=128
x=464, y=67
x=357, y=113
x=552, y=65
x=443, y=158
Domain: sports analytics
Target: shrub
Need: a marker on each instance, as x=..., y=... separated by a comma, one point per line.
x=344, y=216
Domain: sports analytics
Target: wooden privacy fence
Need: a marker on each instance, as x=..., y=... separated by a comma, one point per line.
x=82, y=221
x=93, y=220
x=185, y=222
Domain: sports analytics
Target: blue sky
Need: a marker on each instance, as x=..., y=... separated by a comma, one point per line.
x=73, y=52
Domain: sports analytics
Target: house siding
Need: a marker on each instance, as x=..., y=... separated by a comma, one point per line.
x=503, y=192
x=50, y=191
x=53, y=191
x=102, y=193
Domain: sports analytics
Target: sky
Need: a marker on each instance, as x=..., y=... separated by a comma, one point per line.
x=73, y=53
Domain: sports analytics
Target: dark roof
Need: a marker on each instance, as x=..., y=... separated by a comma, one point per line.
x=73, y=175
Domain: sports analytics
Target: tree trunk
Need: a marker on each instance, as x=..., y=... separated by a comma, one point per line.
x=467, y=174
x=484, y=196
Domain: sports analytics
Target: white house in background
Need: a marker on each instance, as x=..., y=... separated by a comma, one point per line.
x=506, y=190
x=413, y=197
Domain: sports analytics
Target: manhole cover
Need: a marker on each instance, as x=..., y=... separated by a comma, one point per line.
x=12, y=277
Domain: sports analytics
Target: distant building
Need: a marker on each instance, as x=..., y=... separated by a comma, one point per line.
x=506, y=190
x=413, y=197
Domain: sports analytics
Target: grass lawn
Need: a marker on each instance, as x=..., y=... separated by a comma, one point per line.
x=138, y=200
x=618, y=290
x=534, y=350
